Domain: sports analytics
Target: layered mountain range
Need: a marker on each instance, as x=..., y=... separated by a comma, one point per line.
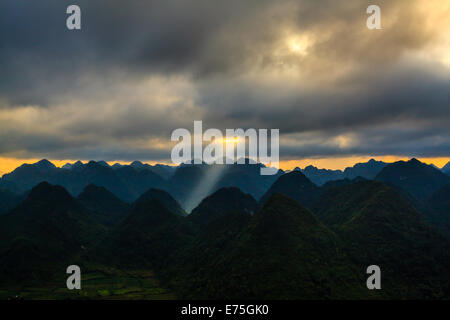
x=366, y=170
x=248, y=237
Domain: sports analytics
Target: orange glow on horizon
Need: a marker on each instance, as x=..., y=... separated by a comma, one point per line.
x=9, y=164
x=343, y=162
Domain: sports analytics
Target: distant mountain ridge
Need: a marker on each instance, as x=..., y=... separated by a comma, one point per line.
x=9, y=200
x=162, y=170
x=188, y=183
x=367, y=170
x=321, y=176
x=125, y=182
x=446, y=168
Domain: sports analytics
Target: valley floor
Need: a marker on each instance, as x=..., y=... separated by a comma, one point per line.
x=98, y=285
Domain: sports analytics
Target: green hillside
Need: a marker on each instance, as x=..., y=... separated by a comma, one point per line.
x=221, y=202
x=282, y=252
x=47, y=230
x=145, y=238
x=438, y=210
x=380, y=227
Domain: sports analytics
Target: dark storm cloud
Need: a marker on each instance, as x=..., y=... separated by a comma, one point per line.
x=404, y=94
x=139, y=69
x=40, y=58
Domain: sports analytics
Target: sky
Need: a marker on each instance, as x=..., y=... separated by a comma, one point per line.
x=115, y=90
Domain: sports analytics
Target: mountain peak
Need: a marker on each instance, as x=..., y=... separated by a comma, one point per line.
x=44, y=191
x=294, y=185
x=67, y=166
x=162, y=196
x=446, y=168
x=104, y=206
x=44, y=164
x=414, y=161
x=223, y=201
x=103, y=163
x=417, y=178
x=41, y=187
x=294, y=175
x=138, y=165
x=288, y=204
x=95, y=164
x=71, y=166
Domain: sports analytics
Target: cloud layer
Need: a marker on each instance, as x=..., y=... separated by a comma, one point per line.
x=137, y=70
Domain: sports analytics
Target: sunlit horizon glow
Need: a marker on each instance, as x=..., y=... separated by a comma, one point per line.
x=7, y=165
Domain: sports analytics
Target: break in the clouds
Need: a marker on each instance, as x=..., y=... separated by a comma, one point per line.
x=137, y=70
